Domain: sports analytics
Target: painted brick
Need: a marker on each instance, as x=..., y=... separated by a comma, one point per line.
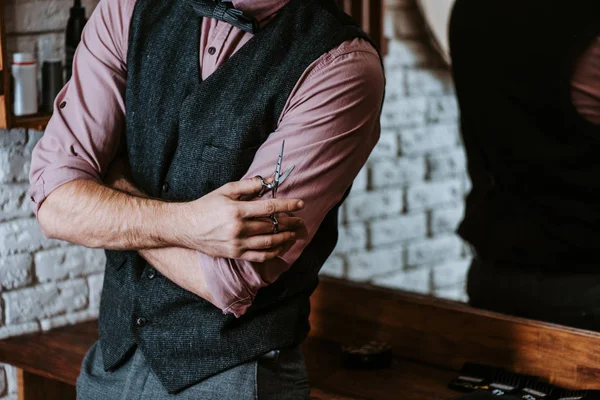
x=44, y=301
x=95, y=283
x=403, y=112
x=18, y=329
x=32, y=139
x=457, y=293
x=467, y=185
x=446, y=220
x=364, y=206
x=334, y=267
x=364, y=266
x=451, y=273
x=361, y=182
x=3, y=381
x=431, y=194
x=430, y=251
x=387, y=147
x=401, y=171
x=63, y=262
x=14, y=165
x=428, y=82
x=409, y=53
x=417, y=280
x=13, y=138
x=16, y=271
x=352, y=238
x=14, y=201
x=69, y=319
x=426, y=139
x=443, y=109
x=447, y=164
x=11, y=379
x=21, y=235
x=398, y=229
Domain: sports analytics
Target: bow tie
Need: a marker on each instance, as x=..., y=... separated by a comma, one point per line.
x=224, y=11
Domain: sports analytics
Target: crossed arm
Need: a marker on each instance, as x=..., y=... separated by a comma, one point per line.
x=168, y=235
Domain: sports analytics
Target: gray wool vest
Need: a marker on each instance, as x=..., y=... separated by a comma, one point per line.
x=187, y=137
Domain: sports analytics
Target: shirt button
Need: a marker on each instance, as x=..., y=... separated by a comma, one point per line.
x=141, y=321
x=62, y=104
x=212, y=51
x=151, y=273
x=165, y=187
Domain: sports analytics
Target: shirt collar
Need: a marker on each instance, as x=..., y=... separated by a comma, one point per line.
x=260, y=9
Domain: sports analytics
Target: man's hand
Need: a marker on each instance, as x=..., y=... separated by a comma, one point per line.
x=220, y=224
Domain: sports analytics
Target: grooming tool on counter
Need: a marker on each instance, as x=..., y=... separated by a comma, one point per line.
x=485, y=382
x=273, y=186
x=565, y=394
x=373, y=355
x=535, y=389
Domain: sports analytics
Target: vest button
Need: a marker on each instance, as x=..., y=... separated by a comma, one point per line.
x=141, y=321
x=151, y=273
x=165, y=187
x=212, y=51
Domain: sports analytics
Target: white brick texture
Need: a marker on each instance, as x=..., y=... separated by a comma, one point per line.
x=431, y=194
x=3, y=381
x=334, y=267
x=450, y=274
x=14, y=201
x=428, y=138
x=365, y=206
x=45, y=301
x=16, y=271
x=67, y=262
x=435, y=250
x=417, y=280
x=364, y=266
x=446, y=220
x=398, y=229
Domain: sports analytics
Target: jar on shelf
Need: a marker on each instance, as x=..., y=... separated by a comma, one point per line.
x=24, y=73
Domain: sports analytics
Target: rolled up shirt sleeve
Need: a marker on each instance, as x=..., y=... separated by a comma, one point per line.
x=87, y=124
x=330, y=126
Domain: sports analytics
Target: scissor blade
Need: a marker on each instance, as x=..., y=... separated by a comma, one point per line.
x=286, y=174
x=278, y=167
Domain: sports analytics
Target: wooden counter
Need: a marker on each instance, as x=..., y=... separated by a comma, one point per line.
x=431, y=340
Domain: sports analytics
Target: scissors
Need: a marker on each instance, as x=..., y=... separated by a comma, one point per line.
x=273, y=186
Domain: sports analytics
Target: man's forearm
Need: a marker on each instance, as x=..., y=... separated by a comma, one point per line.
x=88, y=213
x=180, y=266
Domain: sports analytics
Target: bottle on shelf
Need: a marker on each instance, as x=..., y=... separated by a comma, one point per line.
x=24, y=73
x=75, y=26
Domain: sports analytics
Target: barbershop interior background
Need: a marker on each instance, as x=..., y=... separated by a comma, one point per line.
x=397, y=225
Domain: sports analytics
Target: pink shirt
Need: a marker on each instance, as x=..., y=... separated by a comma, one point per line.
x=330, y=124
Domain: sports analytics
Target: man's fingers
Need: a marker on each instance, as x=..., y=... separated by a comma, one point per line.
x=262, y=208
x=265, y=226
x=263, y=242
x=261, y=256
x=245, y=187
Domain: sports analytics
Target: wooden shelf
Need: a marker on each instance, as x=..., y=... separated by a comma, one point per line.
x=36, y=121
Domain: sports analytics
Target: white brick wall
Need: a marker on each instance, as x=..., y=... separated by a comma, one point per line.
x=396, y=226
x=417, y=180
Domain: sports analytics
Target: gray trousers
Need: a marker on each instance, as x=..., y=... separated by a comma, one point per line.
x=284, y=378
